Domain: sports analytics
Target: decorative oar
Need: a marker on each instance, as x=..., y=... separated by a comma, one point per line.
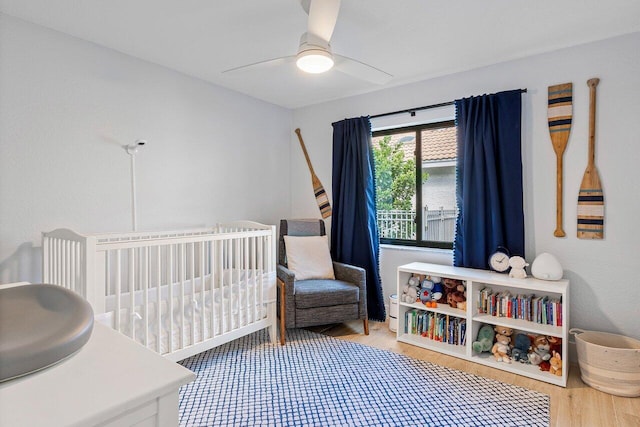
x=560, y=113
x=591, y=198
x=318, y=189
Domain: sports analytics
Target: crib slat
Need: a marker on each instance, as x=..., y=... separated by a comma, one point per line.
x=159, y=299
x=245, y=260
x=192, y=297
x=181, y=275
x=202, y=275
x=132, y=293
x=238, y=270
x=228, y=254
x=118, y=289
x=145, y=284
x=256, y=271
x=170, y=279
x=212, y=271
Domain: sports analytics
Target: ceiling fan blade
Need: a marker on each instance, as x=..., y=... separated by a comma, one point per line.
x=323, y=15
x=360, y=70
x=261, y=64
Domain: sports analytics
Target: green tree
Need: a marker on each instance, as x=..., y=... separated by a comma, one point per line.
x=395, y=175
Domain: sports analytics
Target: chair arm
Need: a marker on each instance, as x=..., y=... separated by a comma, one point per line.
x=357, y=276
x=288, y=277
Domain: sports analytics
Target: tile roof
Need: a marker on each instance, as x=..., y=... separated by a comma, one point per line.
x=437, y=144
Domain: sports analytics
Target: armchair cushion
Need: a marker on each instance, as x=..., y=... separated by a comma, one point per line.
x=308, y=257
x=325, y=293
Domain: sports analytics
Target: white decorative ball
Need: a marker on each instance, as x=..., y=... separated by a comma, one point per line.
x=546, y=267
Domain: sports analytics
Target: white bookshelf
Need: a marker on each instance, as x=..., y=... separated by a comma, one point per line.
x=476, y=280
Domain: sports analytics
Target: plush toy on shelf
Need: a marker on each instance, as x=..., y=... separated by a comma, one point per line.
x=411, y=290
x=521, y=347
x=501, y=348
x=517, y=264
x=555, y=344
x=454, y=293
x=430, y=291
x=539, y=350
x=436, y=288
x=556, y=364
x=484, y=341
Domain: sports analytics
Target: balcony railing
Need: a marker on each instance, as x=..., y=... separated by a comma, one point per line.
x=400, y=224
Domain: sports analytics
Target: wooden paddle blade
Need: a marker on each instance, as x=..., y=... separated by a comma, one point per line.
x=591, y=206
x=318, y=190
x=591, y=197
x=321, y=198
x=560, y=115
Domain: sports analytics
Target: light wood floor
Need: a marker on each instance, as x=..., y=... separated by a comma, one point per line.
x=576, y=405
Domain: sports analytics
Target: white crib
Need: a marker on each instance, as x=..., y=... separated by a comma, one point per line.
x=178, y=293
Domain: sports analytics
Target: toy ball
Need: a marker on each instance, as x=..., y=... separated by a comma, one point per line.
x=425, y=295
x=546, y=267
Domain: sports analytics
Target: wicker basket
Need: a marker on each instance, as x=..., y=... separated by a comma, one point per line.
x=609, y=362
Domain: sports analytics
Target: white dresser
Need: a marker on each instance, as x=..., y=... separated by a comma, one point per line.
x=111, y=381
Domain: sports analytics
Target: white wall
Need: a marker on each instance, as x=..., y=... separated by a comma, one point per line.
x=67, y=107
x=605, y=284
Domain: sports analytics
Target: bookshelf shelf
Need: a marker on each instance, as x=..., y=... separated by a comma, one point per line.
x=478, y=281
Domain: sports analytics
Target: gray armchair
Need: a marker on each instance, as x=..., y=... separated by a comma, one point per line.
x=312, y=302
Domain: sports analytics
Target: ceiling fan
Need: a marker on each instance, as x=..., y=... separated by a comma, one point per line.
x=314, y=52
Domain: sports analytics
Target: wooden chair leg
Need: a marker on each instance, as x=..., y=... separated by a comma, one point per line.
x=366, y=326
x=283, y=322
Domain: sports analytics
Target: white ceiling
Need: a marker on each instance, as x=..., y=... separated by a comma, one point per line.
x=410, y=39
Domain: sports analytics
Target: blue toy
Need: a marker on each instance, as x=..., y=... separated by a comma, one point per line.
x=437, y=292
x=521, y=347
x=425, y=295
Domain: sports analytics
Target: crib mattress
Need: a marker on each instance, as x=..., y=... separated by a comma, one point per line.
x=181, y=320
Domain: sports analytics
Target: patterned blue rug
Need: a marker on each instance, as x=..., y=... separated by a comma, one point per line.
x=316, y=380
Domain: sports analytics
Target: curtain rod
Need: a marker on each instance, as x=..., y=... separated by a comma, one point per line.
x=412, y=111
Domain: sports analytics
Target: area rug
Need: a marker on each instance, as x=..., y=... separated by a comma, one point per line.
x=316, y=380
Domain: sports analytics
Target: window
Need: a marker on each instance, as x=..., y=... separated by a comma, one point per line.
x=416, y=167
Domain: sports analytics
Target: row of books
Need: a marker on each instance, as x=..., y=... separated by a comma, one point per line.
x=539, y=309
x=436, y=326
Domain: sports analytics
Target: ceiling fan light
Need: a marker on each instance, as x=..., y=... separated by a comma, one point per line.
x=314, y=61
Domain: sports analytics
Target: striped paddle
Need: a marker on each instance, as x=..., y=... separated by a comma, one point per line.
x=590, y=197
x=559, y=114
x=321, y=195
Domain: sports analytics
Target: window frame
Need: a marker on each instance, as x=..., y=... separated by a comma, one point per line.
x=418, y=220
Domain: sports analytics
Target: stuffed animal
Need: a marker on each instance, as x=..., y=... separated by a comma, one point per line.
x=449, y=285
x=436, y=288
x=501, y=348
x=555, y=344
x=409, y=293
x=425, y=295
x=556, y=364
x=521, y=347
x=503, y=330
x=484, y=341
x=539, y=350
x=430, y=291
x=517, y=264
x=455, y=297
x=545, y=366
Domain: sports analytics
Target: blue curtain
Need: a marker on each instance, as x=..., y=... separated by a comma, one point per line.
x=489, y=178
x=354, y=230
